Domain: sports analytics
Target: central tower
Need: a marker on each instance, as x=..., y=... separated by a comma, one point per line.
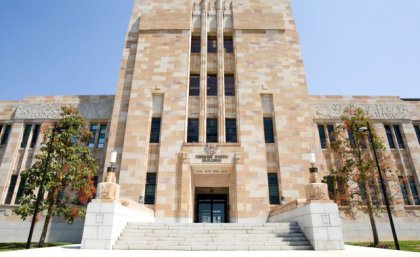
x=210, y=105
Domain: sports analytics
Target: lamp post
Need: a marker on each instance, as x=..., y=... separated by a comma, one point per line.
x=110, y=176
x=313, y=170
x=112, y=160
x=385, y=195
x=41, y=186
x=312, y=160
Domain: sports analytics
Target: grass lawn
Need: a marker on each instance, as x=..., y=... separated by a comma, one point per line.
x=21, y=246
x=411, y=246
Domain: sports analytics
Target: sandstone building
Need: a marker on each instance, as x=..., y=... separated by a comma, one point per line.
x=212, y=120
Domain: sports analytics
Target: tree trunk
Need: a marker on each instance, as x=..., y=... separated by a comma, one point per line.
x=51, y=202
x=371, y=216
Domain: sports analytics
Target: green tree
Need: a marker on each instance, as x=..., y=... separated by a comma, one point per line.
x=68, y=175
x=354, y=180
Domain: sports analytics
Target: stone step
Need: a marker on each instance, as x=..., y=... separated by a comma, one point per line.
x=216, y=243
x=212, y=228
x=215, y=225
x=209, y=248
x=236, y=228
x=214, y=232
x=216, y=238
x=224, y=236
x=229, y=233
x=211, y=224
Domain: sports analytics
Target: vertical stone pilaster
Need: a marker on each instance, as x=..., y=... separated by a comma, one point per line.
x=221, y=73
x=135, y=148
x=413, y=146
x=118, y=124
x=203, y=74
x=9, y=159
x=413, y=149
x=186, y=209
x=236, y=190
x=393, y=186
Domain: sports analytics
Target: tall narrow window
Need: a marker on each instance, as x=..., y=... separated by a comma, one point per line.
x=212, y=135
x=228, y=45
x=376, y=196
x=351, y=137
x=268, y=130
x=273, y=188
x=11, y=189
x=417, y=129
x=192, y=136
x=93, y=129
x=212, y=85
x=6, y=134
x=95, y=184
x=229, y=85
x=404, y=190
x=102, y=135
x=331, y=182
x=150, y=190
x=194, y=85
x=211, y=45
x=399, y=137
x=362, y=192
x=26, y=133
x=231, y=131
x=389, y=137
x=35, y=135
x=20, y=190
x=195, y=45
x=1, y=130
x=414, y=192
x=322, y=136
x=330, y=129
x=382, y=193
x=155, y=130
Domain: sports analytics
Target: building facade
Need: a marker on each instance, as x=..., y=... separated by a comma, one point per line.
x=212, y=119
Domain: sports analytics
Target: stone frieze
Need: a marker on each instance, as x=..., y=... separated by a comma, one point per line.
x=93, y=110
x=376, y=111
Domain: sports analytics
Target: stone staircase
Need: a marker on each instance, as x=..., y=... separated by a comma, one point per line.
x=212, y=237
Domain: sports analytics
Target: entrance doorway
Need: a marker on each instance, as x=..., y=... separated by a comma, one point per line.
x=211, y=205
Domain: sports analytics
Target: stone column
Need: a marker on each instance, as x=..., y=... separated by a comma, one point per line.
x=221, y=73
x=185, y=200
x=391, y=177
x=392, y=187
x=413, y=148
x=236, y=181
x=203, y=74
x=9, y=158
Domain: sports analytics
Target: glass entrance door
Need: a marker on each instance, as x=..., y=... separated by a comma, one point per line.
x=211, y=208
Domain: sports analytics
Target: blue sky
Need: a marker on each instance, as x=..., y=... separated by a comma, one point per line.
x=70, y=47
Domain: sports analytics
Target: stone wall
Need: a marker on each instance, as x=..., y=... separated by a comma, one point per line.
x=359, y=229
x=12, y=229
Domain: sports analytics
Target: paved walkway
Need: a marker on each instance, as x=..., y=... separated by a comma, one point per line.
x=74, y=250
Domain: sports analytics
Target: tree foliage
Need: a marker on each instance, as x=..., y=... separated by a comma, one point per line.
x=68, y=181
x=354, y=178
